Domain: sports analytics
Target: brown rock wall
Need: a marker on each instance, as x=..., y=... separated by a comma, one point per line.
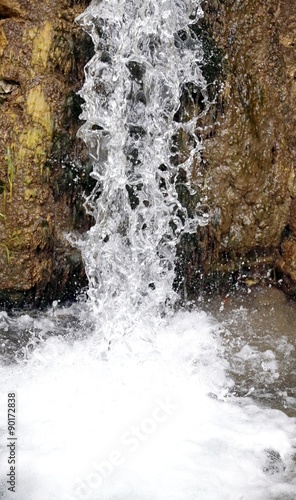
x=42, y=55
x=245, y=177
x=248, y=163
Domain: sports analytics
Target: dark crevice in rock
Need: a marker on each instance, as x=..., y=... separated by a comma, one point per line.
x=287, y=233
x=8, y=10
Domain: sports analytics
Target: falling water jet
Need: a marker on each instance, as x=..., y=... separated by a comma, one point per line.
x=145, y=56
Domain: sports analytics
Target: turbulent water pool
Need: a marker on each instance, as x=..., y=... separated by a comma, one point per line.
x=124, y=395
x=182, y=407
x=258, y=333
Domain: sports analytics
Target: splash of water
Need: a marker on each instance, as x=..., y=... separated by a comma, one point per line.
x=145, y=53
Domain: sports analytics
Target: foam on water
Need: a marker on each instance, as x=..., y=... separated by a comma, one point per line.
x=151, y=419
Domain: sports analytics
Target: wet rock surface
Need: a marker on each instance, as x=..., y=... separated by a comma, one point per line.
x=246, y=175
x=245, y=178
x=43, y=166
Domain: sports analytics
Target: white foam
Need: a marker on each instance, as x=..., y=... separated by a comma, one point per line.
x=151, y=420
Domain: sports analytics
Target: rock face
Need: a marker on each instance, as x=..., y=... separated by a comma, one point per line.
x=246, y=175
x=42, y=55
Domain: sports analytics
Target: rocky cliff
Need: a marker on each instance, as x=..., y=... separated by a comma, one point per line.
x=246, y=175
x=42, y=163
x=244, y=178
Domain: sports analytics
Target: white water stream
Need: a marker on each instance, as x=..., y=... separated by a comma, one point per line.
x=120, y=397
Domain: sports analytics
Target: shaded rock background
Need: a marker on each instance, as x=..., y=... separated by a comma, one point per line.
x=245, y=177
x=42, y=56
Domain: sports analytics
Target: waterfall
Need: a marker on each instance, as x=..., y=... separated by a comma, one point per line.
x=123, y=395
x=145, y=54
